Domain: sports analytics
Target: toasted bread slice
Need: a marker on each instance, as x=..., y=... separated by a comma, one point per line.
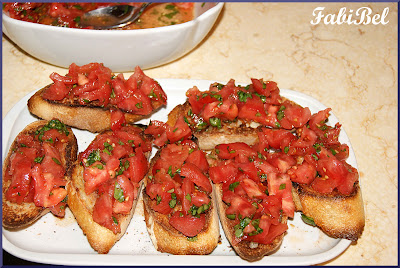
x=166, y=238
x=17, y=216
x=92, y=118
x=339, y=216
x=82, y=205
x=100, y=238
x=249, y=251
x=91, y=97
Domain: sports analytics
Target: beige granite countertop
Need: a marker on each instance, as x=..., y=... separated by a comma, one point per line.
x=350, y=68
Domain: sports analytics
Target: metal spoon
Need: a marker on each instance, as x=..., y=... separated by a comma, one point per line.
x=112, y=16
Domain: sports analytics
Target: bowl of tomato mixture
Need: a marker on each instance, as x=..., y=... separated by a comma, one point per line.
x=164, y=33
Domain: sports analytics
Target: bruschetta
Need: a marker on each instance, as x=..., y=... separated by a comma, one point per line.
x=254, y=200
x=297, y=145
x=91, y=97
x=106, y=182
x=35, y=172
x=179, y=204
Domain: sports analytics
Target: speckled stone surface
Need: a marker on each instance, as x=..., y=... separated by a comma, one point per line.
x=350, y=68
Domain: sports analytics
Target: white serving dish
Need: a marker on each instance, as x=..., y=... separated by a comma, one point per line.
x=54, y=241
x=119, y=50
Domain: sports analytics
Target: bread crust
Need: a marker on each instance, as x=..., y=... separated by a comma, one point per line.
x=166, y=238
x=18, y=216
x=337, y=215
x=92, y=118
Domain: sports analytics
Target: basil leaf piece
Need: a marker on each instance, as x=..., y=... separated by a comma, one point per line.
x=308, y=220
x=119, y=193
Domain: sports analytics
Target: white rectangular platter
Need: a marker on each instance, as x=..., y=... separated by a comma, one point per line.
x=61, y=241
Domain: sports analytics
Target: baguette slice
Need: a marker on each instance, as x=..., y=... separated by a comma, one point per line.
x=339, y=216
x=166, y=238
x=17, y=216
x=86, y=95
x=246, y=250
x=94, y=119
x=100, y=238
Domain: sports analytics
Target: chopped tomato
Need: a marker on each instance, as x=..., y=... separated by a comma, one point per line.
x=238, y=205
x=117, y=119
x=293, y=116
x=304, y=173
x=129, y=193
x=273, y=232
x=20, y=182
x=94, y=176
x=252, y=189
x=198, y=158
x=102, y=213
x=195, y=174
x=264, y=88
x=179, y=131
x=138, y=166
x=200, y=198
x=57, y=91
x=232, y=150
x=187, y=190
x=188, y=225
x=158, y=130
x=223, y=172
x=45, y=194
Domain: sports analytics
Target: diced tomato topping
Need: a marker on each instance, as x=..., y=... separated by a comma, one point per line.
x=232, y=150
x=94, y=84
x=179, y=131
x=195, y=174
x=103, y=212
x=304, y=173
x=238, y=205
x=188, y=225
x=223, y=172
x=117, y=119
x=198, y=158
x=114, y=164
x=130, y=192
x=57, y=91
x=273, y=232
x=45, y=195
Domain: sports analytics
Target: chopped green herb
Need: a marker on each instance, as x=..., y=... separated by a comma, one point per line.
x=118, y=193
x=231, y=216
x=243, y=96
x=308, y=220
x=232, y=186
x=281, y=114
x=39, y=159
x=93, y=157
x=192, y=239
x=215, y=122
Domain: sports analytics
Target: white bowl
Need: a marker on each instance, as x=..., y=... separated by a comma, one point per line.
x=120, y=50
